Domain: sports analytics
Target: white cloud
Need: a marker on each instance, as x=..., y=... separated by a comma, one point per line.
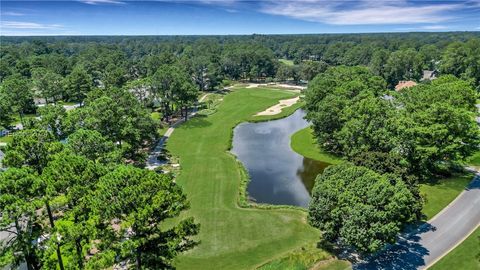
x=28, y=25
x=97, y=2
x=362, y=12
x=12, y=13
x=425, y=27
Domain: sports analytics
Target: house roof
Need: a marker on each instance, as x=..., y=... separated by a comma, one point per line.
x=429, y=74
x=404, y=84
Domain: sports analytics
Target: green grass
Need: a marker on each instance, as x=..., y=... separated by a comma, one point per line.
x=463, y=256
x=66, y=103
x=334, y=265
x=442, y=192
x=303, y=142
x=474, y=160
x=286, y=62
x=17, y=119
x=6, y=139
x=438, y=193
x=156, y=116
x=301, y=259
x=231, y=237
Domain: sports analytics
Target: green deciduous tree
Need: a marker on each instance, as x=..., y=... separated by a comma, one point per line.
x=310, y=69
x=360, y=207
x=329, y=95
x=403, y=65
x=436, y=125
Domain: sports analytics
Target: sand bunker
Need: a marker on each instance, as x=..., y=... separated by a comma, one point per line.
x=276, y=109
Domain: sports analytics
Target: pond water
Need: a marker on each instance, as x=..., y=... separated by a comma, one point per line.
x=278, y=175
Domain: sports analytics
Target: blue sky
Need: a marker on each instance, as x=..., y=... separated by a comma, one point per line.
x=210, y=17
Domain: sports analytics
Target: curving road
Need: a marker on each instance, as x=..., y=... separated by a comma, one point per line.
x=423, y=247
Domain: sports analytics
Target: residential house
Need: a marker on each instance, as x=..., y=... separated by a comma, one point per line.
x=429, y=75
x=404, y=84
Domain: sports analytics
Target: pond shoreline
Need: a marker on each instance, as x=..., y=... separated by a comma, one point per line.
x=277, y=174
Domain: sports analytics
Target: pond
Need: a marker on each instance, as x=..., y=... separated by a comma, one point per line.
x=278, y=175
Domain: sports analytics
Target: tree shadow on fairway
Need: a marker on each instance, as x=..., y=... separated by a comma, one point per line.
x=406, y=254
x=198, y=121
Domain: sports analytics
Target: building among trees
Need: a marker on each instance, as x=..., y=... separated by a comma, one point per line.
x=404, y=84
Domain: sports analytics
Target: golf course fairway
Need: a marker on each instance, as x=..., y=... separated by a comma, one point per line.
x=231, y=237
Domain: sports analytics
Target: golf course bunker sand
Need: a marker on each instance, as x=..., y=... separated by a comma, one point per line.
x=276, y=109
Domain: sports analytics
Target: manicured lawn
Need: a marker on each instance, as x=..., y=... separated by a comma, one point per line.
x=286, y=62
x=301, y=259
x=474, y=160
x=231, y=237
x=304, y=143
x=438, y=194
x=334, y=265
x=6, y=139
x=442, y=192
x=463, y=256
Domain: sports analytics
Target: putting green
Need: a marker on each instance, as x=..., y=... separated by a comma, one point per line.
x=231, y=237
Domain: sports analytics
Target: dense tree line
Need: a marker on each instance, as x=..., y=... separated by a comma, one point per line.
x=69, y=200
x=397, y=138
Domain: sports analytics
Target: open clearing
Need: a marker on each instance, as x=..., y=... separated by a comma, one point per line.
x=211, y=178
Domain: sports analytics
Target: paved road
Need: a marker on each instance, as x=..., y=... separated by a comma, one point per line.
x=423, y=247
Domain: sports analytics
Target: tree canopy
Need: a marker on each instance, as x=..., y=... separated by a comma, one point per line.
x=360, y=207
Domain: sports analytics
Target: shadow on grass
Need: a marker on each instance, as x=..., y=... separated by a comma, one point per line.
x=199, y=121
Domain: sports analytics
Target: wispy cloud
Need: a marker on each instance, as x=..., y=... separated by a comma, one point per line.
x=363, y=12
x=425, y=28
x=28, y=25
x=99, y=2
x=12, y=13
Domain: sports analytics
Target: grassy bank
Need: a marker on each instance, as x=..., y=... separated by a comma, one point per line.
x=231, y=237
x=438, y=193
x=305, y=144
x=442, y=192
x=463, y=256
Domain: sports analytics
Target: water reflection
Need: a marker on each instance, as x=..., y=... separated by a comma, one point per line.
x=278, y=175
